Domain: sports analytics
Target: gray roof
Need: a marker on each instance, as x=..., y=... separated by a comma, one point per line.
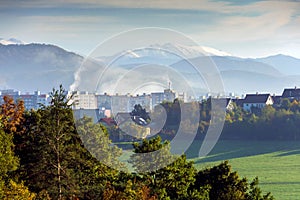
x=291, y=93
x=276, y=99
x=256, y=98
x=93, y=113
x=222, y=101
x=238, y=102
x=122, y=117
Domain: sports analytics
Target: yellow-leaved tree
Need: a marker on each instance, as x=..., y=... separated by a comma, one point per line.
x=11, y=117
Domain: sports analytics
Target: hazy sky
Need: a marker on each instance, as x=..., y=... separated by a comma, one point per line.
x=242, y=28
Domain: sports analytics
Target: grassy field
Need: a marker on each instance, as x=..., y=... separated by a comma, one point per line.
x=276, y=163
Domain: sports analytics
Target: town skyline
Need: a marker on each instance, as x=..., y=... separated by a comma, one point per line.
x=83, y=100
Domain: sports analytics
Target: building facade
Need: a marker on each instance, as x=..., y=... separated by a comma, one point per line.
x=84, y=100
x=257, y=101
x=159, y=97
x=31, y=101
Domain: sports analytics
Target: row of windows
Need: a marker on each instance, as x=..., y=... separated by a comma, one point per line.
x=255, y=105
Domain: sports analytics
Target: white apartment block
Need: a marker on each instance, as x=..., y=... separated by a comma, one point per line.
x=120, y=103
x=159, y=97
x=84, y=100
x=104, y=102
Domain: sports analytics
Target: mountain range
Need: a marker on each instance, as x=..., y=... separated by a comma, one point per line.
x=33, y=67
x=29, y=67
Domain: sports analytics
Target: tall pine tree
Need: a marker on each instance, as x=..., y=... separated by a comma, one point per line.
x=54, y=160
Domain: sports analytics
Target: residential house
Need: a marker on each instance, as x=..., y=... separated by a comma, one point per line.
x=257, y=101
x=291, y=94
x=238, y=102
x=122, y=117
x=277, y=100
x=131, y=127
x=108, y=121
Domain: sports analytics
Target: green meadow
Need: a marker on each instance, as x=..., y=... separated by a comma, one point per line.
x=276, y=163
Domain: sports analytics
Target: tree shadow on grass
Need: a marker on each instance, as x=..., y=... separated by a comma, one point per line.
x=289, y=153
x=230, y=149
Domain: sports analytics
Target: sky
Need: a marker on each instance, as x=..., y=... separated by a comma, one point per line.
x=241, y=28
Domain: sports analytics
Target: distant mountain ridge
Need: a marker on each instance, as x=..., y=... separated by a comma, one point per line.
x=11, y=41
x=36, y=66
x=164, y=54
x=191, y=51
x=29, y=67
x=285, y=64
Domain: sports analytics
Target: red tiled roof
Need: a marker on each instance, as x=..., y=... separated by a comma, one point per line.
x=108, y=121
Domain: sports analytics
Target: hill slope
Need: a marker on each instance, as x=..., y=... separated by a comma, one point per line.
x=29, y=67
x=36, y=66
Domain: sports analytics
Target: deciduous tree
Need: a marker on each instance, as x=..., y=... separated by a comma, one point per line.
x=169, y=181
x=11, y=115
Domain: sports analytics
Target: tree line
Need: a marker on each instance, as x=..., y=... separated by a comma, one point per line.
x=276, y=122
x=44, y=154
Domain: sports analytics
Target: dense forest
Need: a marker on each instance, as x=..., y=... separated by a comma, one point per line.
x=43, y=155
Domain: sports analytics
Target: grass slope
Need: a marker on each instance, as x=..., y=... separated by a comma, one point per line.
x=276, y=163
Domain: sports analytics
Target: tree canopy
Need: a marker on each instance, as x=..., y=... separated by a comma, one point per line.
x=46, y=154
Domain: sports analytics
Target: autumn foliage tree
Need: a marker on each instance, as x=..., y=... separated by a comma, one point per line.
x=11, y=119
x=11, y=115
